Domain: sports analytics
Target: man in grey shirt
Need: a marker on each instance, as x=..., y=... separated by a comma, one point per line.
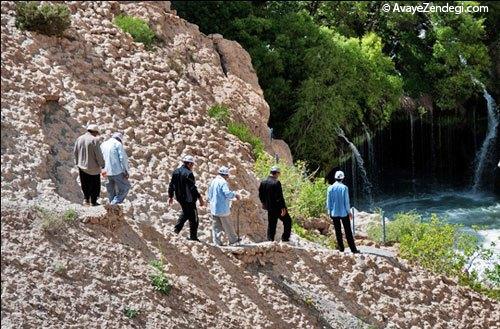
x=89, y=160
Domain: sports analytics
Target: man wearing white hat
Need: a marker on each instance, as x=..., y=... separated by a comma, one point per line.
x=89, y=160
x=271, y=196
x=116, y=169
x=183, y=186
x=338, y=207
x=219, y=196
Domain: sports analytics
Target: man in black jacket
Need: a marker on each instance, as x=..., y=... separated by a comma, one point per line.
x=183, y=185
x=271, y=196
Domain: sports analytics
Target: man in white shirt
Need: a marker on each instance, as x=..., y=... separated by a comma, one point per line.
x=219, y=196
x=116, y=168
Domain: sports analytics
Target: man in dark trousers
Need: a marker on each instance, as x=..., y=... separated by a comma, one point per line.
x=338, y=207
x=90, y=163
x=183, y=185
x=271, y=196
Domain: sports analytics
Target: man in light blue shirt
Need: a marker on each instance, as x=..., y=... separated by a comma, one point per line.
x=337, y=205
x=219, y=196
x=116, y=168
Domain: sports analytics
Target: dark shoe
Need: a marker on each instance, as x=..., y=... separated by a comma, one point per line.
x=341, y=250
x=235, y=242
x=96, y=204
x=196, y=239
x=356, y=251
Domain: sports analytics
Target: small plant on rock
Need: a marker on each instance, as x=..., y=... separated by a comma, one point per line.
x=130, y=312
x=70, y=215
x=59, y=268
x=241, y=131
x=220, y=113
x=138, y=28
x=48, y=19
x=159, y=280
x=50, y=221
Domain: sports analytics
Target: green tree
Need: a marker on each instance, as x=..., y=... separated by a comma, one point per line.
x=459, y=56
x=351, y=83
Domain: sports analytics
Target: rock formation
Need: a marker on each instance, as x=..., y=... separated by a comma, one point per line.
x=53, y=87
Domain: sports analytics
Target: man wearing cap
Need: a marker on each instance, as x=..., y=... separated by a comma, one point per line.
x=89, y=160
x=271, y=196
x=116, y=169
x=337, y=205
x=219, y=196
x=183, y=185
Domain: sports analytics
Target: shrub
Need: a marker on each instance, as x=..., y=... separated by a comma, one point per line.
x=220, y=113
x=59, y=268
x=325, y=240
x=245, y=135
x=311, y=201
x=159, y=280
x=70, y=215
x=305, y=196
x=137, y=28
x=50, y=221
x=130, y=312
x=48, y=19
x=404, y=223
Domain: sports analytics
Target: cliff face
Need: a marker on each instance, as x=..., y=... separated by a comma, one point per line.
x=84, y=273
x=53, y=87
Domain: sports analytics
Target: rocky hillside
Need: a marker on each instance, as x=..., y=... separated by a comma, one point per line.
x=53, y=87
x=84, y=273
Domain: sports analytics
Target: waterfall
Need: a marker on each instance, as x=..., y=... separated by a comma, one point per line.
x=482, y=156
x=367, y=186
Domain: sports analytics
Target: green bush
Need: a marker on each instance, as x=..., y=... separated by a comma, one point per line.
x=404, y=223
x=305, y=196
x=70, y=215
x=48, y=19
x=137, y=28
x=51, y=222
x=220, y=113
x=130, y=312
x=159, y=280
x=241, y=131
x=59, y=268
x=325, y=240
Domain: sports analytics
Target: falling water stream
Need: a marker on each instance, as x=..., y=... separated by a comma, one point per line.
x=482, y=156
x=367, y=186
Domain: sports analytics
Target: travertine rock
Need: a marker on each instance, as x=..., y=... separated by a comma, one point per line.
x=53, y=87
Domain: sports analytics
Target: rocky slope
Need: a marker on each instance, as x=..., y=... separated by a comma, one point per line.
x=53, y=87
x=84, y=273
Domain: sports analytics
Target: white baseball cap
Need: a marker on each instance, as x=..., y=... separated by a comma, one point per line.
x=93, y=127
x=339, y=175
x=188, y=158
x=118, y=135
x=224, y=170
x=275, y=169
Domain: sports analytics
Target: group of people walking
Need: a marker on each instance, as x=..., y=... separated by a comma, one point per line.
x=110, y=160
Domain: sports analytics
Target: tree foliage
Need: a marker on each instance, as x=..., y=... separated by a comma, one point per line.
x=48, y=19
x=324, y=64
